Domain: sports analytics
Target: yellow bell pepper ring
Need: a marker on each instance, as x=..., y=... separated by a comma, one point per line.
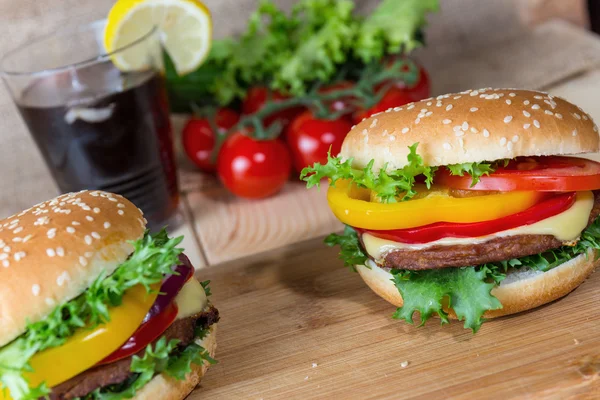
x=87, y=347
x=353, y=207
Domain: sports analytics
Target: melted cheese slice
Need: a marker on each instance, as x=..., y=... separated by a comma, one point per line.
x=566, y=226
x=191, y=299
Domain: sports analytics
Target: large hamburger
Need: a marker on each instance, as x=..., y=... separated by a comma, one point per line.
x=94, y=307
x=467, y=205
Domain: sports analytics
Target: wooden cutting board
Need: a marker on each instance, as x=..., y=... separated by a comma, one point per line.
x=295, y=324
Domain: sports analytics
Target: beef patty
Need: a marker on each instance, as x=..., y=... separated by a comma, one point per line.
x=494, y=250
x=118, y=371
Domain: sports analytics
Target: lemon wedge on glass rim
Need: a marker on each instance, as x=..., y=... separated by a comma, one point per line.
x=184, y=28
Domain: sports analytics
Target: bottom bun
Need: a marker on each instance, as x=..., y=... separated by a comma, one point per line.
x=166, y=388
x=521, y=290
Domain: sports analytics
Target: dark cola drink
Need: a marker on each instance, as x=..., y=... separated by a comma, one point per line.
x=106, y=129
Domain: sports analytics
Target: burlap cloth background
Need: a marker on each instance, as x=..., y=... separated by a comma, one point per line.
x=472, y=43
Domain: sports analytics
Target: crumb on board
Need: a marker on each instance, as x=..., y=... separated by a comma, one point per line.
x=314, y=365
x=404, y=364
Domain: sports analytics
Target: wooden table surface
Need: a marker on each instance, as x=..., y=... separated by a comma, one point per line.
x=295, y=324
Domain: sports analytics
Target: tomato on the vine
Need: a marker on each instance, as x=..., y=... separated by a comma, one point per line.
x=341, y=104
x=399, y=94
x=394, y=97
x=310, y=139
x=253, y=168
x=199, y=139
x=256, y=98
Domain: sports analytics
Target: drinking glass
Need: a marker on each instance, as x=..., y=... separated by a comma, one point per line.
x=99, y=122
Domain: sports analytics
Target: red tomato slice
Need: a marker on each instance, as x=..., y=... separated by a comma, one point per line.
x=145, y=334
x=544, y=174
x=429, y=233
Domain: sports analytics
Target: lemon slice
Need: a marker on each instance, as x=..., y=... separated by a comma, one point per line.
x=184, y=28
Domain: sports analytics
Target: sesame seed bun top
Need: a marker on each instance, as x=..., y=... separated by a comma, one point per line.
x=52, y=252
x=473, y=126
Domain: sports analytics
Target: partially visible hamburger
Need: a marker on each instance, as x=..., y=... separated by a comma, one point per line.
x=468, y=205
x=92, y=306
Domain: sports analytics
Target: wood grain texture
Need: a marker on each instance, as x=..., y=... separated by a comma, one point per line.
x=229, y=227
x=297, y=325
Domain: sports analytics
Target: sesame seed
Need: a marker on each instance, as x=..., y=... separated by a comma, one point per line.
x=438, y=104
x=6, y=249
x=35, y=289
x=447, y=146
x=114, y=200
x=70, y=229
x=86, y=208
x=559, y=116
x=595, y=128
x=585, y=118
x=509, y=146
x=5, y=263
x=548, y=112
x=89, y=218
x=51, y=233
x=459, y=133
x=88, y=254
x=535, y=107
x=486, y=133
x=404, y=130
x=526, y=102
x=536, y=123
x=82, y=261
x=428, y=113
x=392, y=138
x=88, y=239
x=106, y=225
x=50, y=252
x=512, y=94
x=447, y=121
x=474, y=93
x=574, y=132
x=465, y=126
x=97, y=210
x=525, y=113
x=17, y=239
x=461, y=142
x=508, y=102
x=457, y=97
x=26, y=238
x=120, y=212
x=75, y=223
x=17, y=230
x=538, y=97
x=95, y=235
x=417, y=120
x=507, y=119
x=60, y=251
x=373, y=125
x=3, y=256
x=502, y=141
x=449, y=107
x=456, y=128
x=410, y=107
x=60, y=280
x=515, y=138
x=577, y=115
x=473, y=109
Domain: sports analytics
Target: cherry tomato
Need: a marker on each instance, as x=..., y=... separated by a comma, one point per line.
x=253, y=168
x=439, y=230
x=199, y=138
x=394, y=97
x=342, y=104
x=548, y=174
x=257, y=97
x=310, y=139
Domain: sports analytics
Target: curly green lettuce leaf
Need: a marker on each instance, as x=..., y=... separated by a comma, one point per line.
x=351, y=252
x=393, y=27
x=466, y=290
x=325, y=42
x=154, y=257
x=475, y=169
x=389, y=186
x=157, y=359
